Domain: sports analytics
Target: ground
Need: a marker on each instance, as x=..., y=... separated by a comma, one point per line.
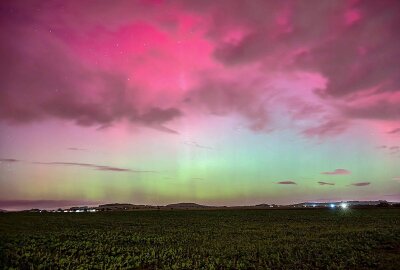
x=197, y=239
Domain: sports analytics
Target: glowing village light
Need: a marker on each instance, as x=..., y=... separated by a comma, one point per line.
x=332, y=205
x=343, y=205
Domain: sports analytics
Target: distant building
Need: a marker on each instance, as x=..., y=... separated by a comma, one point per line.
x=339, y=203
x=81, y=209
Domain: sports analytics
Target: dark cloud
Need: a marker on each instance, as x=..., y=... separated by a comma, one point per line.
x=157, y=116
x=333, y=42
x=43, y=79
x=328, y=128
x=393, y=150
x=251, y=47
x=288, y=182
x=76, y=149
x=8, y=160
x=93, y=166
x=88, y=165
x=394, y=131
x=351, y=59
x=226, y=96
x=333, y=38
x=337, y=172
x=379, y=109
x=326, y=183
x=361, y=184
x=353, y=44
x=165, y=129
x=197, y=145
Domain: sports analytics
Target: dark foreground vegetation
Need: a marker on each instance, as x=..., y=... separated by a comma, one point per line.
x=218, y=239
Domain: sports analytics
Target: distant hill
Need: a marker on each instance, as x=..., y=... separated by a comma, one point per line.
x=3, y=211
x=118, y=205
x=186, y=206
x=123, y=206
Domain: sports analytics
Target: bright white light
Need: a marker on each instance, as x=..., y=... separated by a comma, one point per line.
x=343, y=205
x=332, y=205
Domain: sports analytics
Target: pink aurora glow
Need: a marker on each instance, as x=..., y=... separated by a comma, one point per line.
x=151, y=62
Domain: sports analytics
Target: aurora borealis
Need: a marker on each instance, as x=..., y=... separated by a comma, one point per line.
x=215, y=102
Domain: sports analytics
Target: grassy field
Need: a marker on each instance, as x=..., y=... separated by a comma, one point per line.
x=220, y=239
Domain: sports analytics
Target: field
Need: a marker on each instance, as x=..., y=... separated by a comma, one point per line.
x=215, y=239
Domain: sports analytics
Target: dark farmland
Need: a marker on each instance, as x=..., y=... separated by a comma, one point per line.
x=215, y=239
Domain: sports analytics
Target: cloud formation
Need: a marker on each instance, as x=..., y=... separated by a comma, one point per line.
x=93, y=166
x=393, y=150
x=151, y=63
x=337, y=172
x=361, y=184
x=8, y=160
x=87, y=165
x=76, y=149
x=394, y=131
x=329, y=128
x=197, y=145
x=46, y=77
x=322, y=183
x=288, y=182
x=360, y=68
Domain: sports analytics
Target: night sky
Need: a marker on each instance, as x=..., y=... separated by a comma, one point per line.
x=214, y=102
